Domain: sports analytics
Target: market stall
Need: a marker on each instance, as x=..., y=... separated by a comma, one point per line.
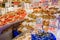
x=41, y=19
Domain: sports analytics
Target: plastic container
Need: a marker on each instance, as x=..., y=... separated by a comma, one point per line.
x=43, y=36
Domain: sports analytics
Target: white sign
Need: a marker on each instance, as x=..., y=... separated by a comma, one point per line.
x=53, y=23
x=39, y=22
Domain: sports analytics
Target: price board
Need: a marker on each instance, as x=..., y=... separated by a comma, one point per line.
x=39, y=22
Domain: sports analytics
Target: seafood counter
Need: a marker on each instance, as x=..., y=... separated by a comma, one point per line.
x=43, y=24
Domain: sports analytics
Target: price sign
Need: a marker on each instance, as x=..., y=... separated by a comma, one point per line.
x=51, y=29
x=53, y=23
x=39, y=22
x=36, y=4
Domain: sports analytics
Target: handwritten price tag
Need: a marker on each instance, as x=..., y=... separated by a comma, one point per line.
x=51, y=29
x=36, y=4
x=39, y=22
x=53, y=23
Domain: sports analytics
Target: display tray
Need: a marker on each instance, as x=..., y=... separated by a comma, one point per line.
x=8, y=25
